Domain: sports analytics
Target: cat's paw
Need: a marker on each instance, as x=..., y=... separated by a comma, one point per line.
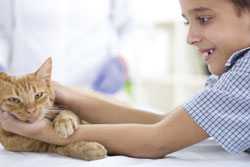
x=65, y=124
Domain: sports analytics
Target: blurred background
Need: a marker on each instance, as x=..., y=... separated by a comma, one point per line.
x=134, y=50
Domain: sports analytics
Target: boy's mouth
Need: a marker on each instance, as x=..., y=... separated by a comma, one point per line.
x=207, y=53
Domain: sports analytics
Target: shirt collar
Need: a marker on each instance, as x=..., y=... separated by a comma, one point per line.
x=235, y=56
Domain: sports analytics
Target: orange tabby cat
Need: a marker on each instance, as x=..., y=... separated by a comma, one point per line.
x=30, y=98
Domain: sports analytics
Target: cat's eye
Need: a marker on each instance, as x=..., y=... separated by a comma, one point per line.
x=14, y=100
x=39, y=95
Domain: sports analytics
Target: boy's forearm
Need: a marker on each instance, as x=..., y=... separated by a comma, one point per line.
x=102, y=111
x=137, y=140
x=95, y=108
x=173, y=133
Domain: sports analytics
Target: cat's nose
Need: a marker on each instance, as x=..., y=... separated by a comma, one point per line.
x=31, y=110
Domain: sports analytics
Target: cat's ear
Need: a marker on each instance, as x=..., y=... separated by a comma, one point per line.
x=4, y=80
x=44, y=72
x=4, y=77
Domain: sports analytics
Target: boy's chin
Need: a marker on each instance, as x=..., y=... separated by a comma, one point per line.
x=215, y=70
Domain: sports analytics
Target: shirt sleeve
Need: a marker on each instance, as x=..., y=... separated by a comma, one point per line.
x=223, y=110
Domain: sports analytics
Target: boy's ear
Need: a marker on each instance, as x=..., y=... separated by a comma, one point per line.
x=44, y=72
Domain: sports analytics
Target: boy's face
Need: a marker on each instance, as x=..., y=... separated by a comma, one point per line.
x=216, y=29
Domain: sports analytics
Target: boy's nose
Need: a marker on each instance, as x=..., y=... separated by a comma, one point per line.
x=193, y=37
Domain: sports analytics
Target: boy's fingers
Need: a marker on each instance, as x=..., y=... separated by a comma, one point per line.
x=11, y=124
x=8, y=122
x=6, y=116
x=2, y=115
x=1, y=119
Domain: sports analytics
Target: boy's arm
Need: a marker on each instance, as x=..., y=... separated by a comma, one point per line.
x=96, y=108
x=173, y=133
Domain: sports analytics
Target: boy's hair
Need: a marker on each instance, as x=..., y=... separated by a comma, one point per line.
x=241, y=5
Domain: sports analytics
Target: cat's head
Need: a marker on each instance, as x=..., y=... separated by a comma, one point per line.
x=28, y=96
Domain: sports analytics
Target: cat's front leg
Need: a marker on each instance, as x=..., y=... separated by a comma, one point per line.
x=82, y=150
x=65, y=123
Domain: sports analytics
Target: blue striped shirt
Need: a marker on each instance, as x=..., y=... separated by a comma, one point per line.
x=222, y=108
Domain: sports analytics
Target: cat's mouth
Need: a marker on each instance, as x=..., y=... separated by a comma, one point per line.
x=30, y=118
x=35, y=118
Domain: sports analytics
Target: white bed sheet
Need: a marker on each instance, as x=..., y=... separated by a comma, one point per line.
x=204, y=154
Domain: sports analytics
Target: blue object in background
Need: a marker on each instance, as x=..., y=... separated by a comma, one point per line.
x=2, y=69
x=112, y=76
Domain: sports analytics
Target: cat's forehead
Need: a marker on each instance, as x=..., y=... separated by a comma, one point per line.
x=25, y=84
x=30, y=83
x=30, y=80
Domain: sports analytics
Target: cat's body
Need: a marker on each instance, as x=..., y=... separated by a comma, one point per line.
x=30, y=98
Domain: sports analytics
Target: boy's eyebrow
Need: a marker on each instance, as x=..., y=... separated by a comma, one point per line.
x=198, y=9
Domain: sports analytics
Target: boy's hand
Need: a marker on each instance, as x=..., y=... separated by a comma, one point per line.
x=41, y=130
x=11, y=124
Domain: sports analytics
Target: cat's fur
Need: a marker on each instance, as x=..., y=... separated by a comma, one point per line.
x=30, y=98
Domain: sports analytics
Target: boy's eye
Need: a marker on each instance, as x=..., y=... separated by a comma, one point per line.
x=39, y=95
x=203, y=19
x=14, y=100
x=185, y=21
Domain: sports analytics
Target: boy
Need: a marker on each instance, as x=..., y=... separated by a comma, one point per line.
x=220, y=32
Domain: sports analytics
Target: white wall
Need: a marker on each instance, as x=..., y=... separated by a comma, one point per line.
x=165, y=70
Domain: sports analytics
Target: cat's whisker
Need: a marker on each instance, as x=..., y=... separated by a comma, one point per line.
x=55, y=107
